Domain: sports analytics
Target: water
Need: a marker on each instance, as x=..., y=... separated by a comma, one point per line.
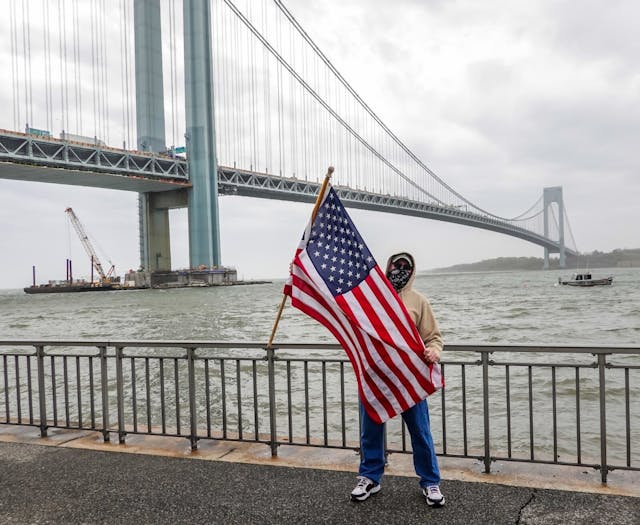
x=509, y=308
x=472, y=308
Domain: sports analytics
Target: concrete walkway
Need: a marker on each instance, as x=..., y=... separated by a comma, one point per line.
x=66, y=484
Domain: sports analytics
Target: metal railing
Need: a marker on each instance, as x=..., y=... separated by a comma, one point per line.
x=575, y=406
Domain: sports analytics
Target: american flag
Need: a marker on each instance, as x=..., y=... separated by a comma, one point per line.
x=335, y=280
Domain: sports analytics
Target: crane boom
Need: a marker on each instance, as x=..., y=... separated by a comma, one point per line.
x=84, y=239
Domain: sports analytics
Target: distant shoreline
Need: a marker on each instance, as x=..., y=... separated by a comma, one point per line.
x=619, y=258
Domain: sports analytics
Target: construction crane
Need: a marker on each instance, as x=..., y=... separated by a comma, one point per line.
x=84, y=239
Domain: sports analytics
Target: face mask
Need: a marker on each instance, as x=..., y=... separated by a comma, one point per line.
x=399, y=273
x=399, y=278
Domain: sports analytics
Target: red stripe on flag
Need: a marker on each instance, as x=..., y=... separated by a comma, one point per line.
x=419, y=375
x=388, y=381
x=405, y=325
x=353, y=348
x=360, y=347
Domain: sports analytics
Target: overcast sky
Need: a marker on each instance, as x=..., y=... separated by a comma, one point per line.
x=499, y=98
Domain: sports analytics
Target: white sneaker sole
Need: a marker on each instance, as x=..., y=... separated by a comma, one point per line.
x=364, y=496
x=436, y=504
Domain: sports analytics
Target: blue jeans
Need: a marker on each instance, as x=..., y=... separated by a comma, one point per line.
x=424, y=454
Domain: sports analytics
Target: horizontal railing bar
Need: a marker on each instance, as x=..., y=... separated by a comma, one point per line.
x=145, y=344
x=327, y=346
x=548, y=462
x=543, y=365
x=309, y=360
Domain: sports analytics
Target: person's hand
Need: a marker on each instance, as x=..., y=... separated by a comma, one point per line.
x=431, y=354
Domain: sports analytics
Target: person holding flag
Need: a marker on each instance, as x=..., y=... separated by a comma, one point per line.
x=401, y=274
x=394, y=349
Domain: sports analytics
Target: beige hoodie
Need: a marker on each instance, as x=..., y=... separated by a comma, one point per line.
x=419, y=309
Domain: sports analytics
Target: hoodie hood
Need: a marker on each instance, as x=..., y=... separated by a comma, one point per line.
x=400, y=279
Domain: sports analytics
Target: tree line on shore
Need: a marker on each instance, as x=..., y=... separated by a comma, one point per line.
x=619, y=258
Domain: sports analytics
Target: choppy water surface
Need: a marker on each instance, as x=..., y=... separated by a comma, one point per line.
x=477, y=308
x=508, y=308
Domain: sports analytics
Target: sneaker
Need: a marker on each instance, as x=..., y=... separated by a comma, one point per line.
x=364, y=489
x=434, y=496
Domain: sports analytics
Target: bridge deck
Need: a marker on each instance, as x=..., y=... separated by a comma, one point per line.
x=47, y=159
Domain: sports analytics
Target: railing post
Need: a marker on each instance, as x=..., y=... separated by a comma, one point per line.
x=120, y=394
x=104, y=386
x=193, y=437
x=272, y=399
x=41, y=392
x=485, y=410
x=604, y=469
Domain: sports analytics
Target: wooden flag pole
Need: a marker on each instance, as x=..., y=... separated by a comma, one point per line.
x=313, y=218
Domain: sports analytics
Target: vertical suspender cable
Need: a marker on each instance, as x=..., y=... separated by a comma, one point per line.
x=105, y=74
x=293, y=102
x=66, y=63
x=249, y=105
x=60, y=58
x=252, y=79
x=267, y=98
x=100, y=48
x=224, y=112
x=30, y=83
x=279, y=76
x=99, y=133
x=234, y=78
x=47, y=79
x=14, y=66
x=101, y=79
x=123, y=85
x=127, y=59
x=76, y=58
x=24, y=65
x=93, y=69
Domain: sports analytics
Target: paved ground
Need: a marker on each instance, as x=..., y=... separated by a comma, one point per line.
x=44, y=484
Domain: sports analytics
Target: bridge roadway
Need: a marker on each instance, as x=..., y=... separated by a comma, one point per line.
x=72, y=477
x=48, y=159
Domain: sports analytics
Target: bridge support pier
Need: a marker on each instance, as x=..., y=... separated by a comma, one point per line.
x=551, y=195
x=155, y=244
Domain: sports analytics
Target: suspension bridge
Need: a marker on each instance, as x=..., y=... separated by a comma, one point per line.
x=185, y=101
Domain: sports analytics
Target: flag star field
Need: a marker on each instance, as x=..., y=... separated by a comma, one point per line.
x=336, y=248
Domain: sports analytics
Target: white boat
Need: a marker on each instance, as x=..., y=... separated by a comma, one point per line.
x=585, y=279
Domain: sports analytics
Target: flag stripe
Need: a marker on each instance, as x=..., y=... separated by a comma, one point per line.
x=323, y=312
x=416, y=368
x=388, y=354
x=362, y=347
x=378, y=359
x=392, y=298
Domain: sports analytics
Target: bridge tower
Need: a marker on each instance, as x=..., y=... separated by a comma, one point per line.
x=551, y=195
x=202, y=198
x=204, y=224
x=155, y=249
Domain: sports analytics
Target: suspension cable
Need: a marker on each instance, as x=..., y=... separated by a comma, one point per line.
x=323, y=103
x=573, y=240
x=443, y=184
